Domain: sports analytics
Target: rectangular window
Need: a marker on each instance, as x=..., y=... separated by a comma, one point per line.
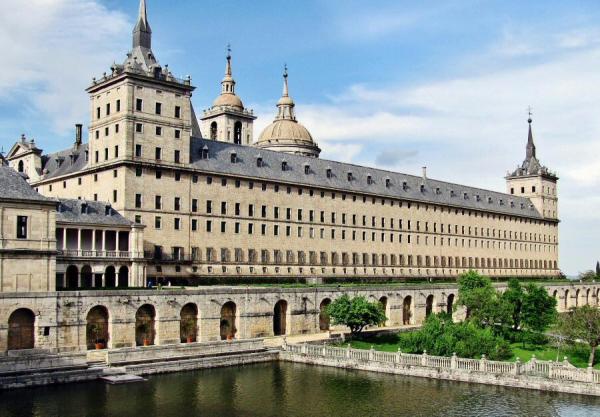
x=177, y=224
x=108, y=109
x=177, y=112
x=139, y=104
x=177, y=204
x=223, y=227
x=177, y=157
x=138, y=219
x=139, y=128
x=177, y=134
x=106, y=131
x=158, y=131
x=138, y=201
x=138, y=171
x=157, y=222
x=138, y=151
x=21, y=227
x=194, y=225
x=105, y=154
x=117, y=128
x=194, y=205
x=158, y=108
x=114, y=196
x=116, y=151
x=208, y=206
x=118, y=105
x=157, y=153
x=209, y=226
x=177, y=176
x=97, y=134
x=97, y=112
x=223, y=207
x=157, y=202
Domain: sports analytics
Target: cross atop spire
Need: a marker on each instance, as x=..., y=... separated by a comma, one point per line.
x=285, y=81
x=228, y=65
x=530, y=145
x=142, y=34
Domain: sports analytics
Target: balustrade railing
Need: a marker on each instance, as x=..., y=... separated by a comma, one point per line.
x=563, y=371
x=85, y=253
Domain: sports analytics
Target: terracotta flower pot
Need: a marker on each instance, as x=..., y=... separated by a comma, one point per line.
x=99, y=345
x=146, y=342
x=229, y=338
x=190, y=339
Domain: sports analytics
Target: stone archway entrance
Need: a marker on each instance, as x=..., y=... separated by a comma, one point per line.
x=279, y=318
x=429, y=305
x=227, y=322
x=72, y=277
x=384, y=304
x=21, y=326
x=406, y=310
x=123, y=281
x=86, y=277
x=450, y=304
x=324, y=321
x=188, y=327
x=96, y=332
x=110, y=280
x=144, y=325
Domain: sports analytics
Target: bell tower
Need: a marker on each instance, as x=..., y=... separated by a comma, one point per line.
x=533, y=180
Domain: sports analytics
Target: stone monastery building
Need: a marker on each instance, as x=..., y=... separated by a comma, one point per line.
x=210, y=201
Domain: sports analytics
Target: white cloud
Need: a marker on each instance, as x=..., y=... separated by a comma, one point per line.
x=42, y=44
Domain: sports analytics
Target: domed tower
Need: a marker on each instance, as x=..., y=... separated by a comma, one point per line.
x=285, y=134
x=533, y=180
x=228, y=120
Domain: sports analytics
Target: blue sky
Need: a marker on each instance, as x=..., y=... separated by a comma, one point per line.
x=393, y=84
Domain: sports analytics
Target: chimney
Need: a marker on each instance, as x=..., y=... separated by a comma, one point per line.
x=78, y=128
x=424, y=173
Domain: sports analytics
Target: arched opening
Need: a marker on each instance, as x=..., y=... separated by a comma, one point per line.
x=577, y=298
x=144, y=325
x=72, y=277
x=213, y=130
x=279, y=318
x=567, y=300
x=227, y=323
x=96, y=331
x=429, y=305
x=587, y=297
x=21, y=325
x=406, y=310
x=188, y=324
x=123, y=277
x=109, y=277
x=384, y=301
x=86, y=276
x=450, y=304
x=237, y=133
x=323, y=316
x=21, y=166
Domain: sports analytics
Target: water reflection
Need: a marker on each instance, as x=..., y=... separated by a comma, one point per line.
x=283, y=389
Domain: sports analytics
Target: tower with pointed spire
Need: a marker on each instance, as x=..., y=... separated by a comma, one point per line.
x=533, y=180
x=139, y=110
x=227, y=120
x=285, y=134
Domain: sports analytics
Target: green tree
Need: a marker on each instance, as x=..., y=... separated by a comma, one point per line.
x=587, y=275
x=514, y=296
x=598, y=269
x=538, y=310
x=582, y=324
x=356, y=313
x=485, y=306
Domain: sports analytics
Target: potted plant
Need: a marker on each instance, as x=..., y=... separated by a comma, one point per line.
x=95, y=330
x=144, y=330
x=189, y=327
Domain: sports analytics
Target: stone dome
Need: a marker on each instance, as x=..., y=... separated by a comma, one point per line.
x=231, y=100
x=285, y=134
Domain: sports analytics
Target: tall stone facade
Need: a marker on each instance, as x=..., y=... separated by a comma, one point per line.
x=216, y=208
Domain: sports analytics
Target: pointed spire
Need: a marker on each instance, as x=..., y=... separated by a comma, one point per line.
x=285, y=103
x=228, y=83
x=142, y=34
x=285, y=81
x=228, y=65
x=530, y=145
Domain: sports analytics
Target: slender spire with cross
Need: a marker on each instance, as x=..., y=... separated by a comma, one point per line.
x=530, y=145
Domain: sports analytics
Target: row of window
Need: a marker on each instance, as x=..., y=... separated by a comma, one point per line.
x=139, y=106
x=289, y=257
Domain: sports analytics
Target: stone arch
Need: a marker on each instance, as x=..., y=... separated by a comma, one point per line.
x=428, y=305
x=86, y=277
x=72, y=277
x=407, y=310
x=587, y=296
x=237, y=133
x=450, y=304
x=383, y=300
x=145, y=331
x=21, y=329
x=280, y=318
x=110, y=277
x=96, y=329
x=213, y=130
x=567, y=303
x=228, y=319
x=324, y=321
x=577, y=292
x=123, y=280
x=188, y=323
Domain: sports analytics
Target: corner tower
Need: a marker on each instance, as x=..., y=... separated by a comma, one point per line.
x=140, y=111
x=285, y=134
x=533, y=180
x=228, y=120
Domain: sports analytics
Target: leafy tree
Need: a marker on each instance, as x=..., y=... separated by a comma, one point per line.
x=538, y=309
x=485, y=306
x=598, y=269
x=582, y=324
x=514, y=296
x=356, y=313
x=587, y=275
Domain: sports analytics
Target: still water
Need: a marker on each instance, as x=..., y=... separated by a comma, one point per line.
x=284, y=389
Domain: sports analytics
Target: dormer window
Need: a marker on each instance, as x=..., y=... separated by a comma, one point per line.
x=387, y=183
x=328, y=173
x=204, y=153
x=437, y=190
x=369, y=180
x=465, y=196
x=350, y=177
x=522, y=206
x=489, y=200
x=452, y=194
x=259, y=162
x=107, y=210
x=404, y=185
x=422, y=188
x=501, y=202
x=84, y=208
x=477, y=197
x=307, y=169
x=512, y=204
x=233, y=157
x=284, y=166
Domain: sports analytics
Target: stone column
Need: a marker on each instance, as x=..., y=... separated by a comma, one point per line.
x=103, y=280
x=117, y=241
x=104, y=243
x=64, y=245
x=94, y=241
x=78, y=241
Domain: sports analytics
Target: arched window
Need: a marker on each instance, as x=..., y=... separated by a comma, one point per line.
x=96, y=332
x=213, y=130
x=227, y=322
x=323, y=316
x=144, y=325
x=21, y=166
x=237, y=133
x=21, y=329
x=188, y=327
x=279, y=318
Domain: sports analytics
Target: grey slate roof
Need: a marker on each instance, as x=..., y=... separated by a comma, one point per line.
x=402, y=186
x=89, y=212
x=64, y=162
x=14, y=187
